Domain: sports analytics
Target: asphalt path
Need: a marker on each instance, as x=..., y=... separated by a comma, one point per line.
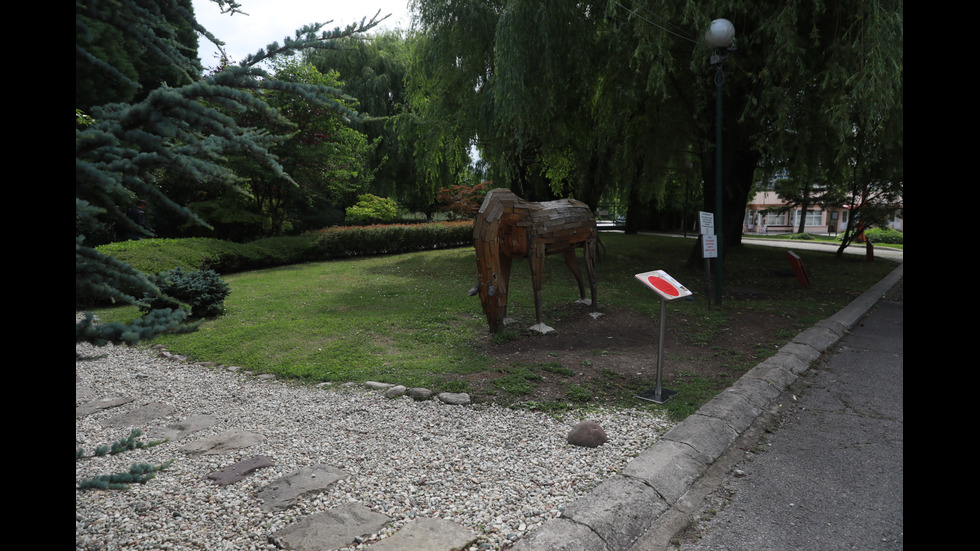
x=859, y=249
x=825, y=470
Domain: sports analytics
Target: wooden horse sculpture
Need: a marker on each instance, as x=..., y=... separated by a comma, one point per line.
x=507, y=227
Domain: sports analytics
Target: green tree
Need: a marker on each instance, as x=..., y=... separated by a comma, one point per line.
x=114, y=65
x=326, y=160
x=122, y=148
x=618, y=96
x=373, y=69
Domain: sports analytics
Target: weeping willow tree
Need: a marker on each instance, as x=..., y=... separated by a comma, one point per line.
x=123, y=149
x=374, y=70
x=601, y=96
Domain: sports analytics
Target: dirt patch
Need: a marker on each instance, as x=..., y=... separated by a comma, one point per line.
x=614, y=357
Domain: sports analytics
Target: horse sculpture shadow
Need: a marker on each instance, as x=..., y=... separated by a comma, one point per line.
x=508, y=227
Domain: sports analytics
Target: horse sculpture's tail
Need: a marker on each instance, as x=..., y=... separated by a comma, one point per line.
x=508, y=227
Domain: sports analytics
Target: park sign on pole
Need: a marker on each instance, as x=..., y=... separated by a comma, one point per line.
x=709, y=246
x=707, y=223
x=709, y=241
x=669, y=289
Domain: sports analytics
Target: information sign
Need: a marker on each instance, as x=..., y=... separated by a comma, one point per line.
x=666, y=286
x=707, y=223
x=709, y=246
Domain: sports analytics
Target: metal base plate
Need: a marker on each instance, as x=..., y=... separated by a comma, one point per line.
x=651, y=395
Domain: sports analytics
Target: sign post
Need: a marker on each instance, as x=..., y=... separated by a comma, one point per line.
x=709, y=249
x=669, y=289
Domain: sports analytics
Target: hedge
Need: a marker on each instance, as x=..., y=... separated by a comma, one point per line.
x=153, y=256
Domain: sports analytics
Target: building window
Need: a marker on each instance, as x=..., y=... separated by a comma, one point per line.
x=814, y=218
x=774, y=219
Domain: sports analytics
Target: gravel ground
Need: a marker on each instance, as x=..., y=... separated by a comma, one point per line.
x=497, y=471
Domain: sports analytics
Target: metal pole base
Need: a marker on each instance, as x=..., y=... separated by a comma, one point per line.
x=657, y=397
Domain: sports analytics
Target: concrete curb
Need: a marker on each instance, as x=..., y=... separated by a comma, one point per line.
x=622, y=508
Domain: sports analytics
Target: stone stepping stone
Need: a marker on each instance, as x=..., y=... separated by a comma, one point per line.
x=454, y=398
x=428, y=534
x=181, y=429
x=237, y=471
x=140, y=416
x=101, y=404
x=228, y=441
x=84, y=394
x=339, y=527
x=284, y=492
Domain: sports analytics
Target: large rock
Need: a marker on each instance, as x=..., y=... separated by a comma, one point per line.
x=588, y=434
x=454, y=398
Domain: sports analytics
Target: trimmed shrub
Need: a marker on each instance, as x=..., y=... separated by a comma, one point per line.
x=346, y=241
x=885, y=235
x=201, y=290
x=152, y=256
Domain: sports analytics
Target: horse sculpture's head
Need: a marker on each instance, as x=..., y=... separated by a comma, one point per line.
x=492, y=267
x=493, y=299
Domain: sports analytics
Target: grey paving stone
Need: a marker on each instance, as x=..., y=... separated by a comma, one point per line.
x=140, y=416
x=331, y=529
x=108, y=402
x=237, y=471
x=228, y=441
x=428, y=534
x=284, y=492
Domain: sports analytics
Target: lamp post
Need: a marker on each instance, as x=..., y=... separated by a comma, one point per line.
x=719, y=38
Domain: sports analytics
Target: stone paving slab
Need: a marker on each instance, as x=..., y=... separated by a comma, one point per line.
x=237, y=471
x=428, y=534
x=228, y=441
x=333, y=529
x=180, y=429
x=101, y=404
x=284, y=492
x=140, y=416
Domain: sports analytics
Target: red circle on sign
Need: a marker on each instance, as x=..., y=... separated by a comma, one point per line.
x=664, y=286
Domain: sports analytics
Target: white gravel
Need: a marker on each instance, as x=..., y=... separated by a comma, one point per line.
x=497, y=471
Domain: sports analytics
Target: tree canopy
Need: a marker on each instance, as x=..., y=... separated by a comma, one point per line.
x=124, y=147
x=595, y=97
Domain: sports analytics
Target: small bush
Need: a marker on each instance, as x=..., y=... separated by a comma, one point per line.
x=371, y=209
x=800, y=237
x=884, y=235
x=202, y=290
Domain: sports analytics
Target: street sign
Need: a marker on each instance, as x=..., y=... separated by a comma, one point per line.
x=665, y=286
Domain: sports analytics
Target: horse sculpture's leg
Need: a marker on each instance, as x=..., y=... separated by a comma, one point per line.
x=536, y=259
x=572, y=264
x=591, y=251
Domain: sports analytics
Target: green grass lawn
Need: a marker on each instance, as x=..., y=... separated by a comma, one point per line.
x=407, y=319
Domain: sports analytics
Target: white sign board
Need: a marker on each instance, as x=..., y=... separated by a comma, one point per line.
x=664, y=285
x=707, y=223
x=709, y=246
